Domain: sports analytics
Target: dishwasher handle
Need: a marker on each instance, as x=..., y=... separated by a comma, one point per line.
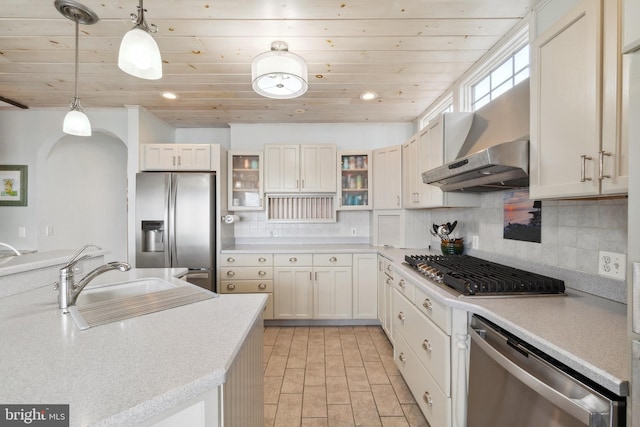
x=596, y=414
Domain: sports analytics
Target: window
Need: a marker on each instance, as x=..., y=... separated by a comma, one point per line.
x=445, y=105
x=502, y=78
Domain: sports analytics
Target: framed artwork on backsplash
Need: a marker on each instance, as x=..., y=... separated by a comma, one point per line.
x=13, y=185
x=522, y=217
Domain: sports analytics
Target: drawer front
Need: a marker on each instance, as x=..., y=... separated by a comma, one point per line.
x=439, y=313
x=431, y=346
x=403, y=286
x=246, y=273
x=246, y=260
x=435, y=406
x=387, y=267
x=290, y=260
x=246, y=286
x=331, y=260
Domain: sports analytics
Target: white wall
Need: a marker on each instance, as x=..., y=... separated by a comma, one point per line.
x=26, y=138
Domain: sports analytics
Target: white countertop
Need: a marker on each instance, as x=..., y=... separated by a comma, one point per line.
x=31, y=261
x=120, y=373
x=585, y=332
x=312, y=248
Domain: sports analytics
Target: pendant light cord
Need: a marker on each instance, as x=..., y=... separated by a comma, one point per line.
x=75, y=93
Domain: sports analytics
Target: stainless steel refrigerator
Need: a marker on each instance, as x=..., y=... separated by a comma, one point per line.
x=175, y=223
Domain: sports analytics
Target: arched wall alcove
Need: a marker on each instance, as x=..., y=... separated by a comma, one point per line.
x=82, y=194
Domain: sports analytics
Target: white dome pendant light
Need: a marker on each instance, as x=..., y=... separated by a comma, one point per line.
x=139, y=53
x=279, y=74
x=76, y=122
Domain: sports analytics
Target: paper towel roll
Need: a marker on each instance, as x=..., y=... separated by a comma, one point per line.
x=230, y=219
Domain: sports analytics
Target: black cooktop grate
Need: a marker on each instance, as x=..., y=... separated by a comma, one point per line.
x=475, y=276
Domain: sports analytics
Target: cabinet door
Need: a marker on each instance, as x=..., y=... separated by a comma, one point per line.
x=332, y=293
x=245, y=180
x=194, y=157
x=410, y=173
x=293, y=293
x=565, y=105
x=365, y=284
x=387, y=178
x=318, y=168
x=161, y=157
x=282, y=168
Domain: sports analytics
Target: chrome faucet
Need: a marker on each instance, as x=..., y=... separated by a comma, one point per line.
x=69, y=289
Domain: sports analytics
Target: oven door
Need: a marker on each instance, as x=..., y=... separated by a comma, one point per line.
x=510, y=386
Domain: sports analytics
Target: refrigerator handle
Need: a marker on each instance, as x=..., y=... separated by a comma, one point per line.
x=171, y=212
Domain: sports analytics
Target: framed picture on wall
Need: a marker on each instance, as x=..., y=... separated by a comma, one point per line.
x=13, y=185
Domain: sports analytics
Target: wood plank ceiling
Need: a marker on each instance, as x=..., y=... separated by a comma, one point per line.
x=408, y=51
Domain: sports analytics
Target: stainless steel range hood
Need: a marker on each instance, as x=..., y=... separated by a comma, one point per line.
x=495, y=154
x=499, y=167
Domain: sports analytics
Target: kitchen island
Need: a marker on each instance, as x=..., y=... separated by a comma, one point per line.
x=127, y=372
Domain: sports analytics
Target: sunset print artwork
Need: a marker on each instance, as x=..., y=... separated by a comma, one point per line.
x=522, y=217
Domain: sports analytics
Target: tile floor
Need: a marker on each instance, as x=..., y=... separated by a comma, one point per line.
x=334, y=376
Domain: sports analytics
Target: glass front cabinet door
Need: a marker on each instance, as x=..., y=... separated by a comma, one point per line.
x=354, y=180
x=245, y=181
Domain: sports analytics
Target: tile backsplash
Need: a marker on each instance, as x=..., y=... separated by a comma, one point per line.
x=573, y=231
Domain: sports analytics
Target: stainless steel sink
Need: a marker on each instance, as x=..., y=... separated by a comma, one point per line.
x=119, y=301
x=124, y=289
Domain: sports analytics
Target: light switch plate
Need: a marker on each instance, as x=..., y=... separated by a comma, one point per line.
x=612, y=264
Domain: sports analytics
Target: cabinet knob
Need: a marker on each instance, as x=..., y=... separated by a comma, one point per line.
x=427, y=304
x=262, y=286
x=401, y=316
x=426, y=345
x=293, y=259
x=333, y=259
x=231, y=273
x=262, y=273
x=427, y=398
x=402, y=357
x=402, y=284
x=231, y=260
x=231, y=286
x=262, y=259
x=388, y=280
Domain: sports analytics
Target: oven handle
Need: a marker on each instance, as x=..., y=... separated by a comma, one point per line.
x=588, y=415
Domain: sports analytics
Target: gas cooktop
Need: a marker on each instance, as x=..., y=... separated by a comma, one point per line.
x=472, y=276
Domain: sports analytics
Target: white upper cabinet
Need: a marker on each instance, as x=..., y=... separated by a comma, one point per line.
x=300, y=168
x=576, y=148
x=387, y=178
x=172, y=157
x=630, y=27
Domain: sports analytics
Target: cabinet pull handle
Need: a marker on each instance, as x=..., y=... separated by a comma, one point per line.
x=427, y=398
x=230, y=260
x=310, y=276
x=333, y=259
x=402, y=357
x=262, y=259
x=303, y=183
x=583, y=166
x=293, y=259
x=262, y=286
x=261, y=273
x=231, y=273
x=388, y=280
x=179, y=160
x=601, y=155
x=174, y=160
x=398, y=201
x=231, y=286
x=401, y=283
x=427, y=304
x=297, y=184
x=401, y=316
x=388, y=267
x=426, y=345
x=316, y=276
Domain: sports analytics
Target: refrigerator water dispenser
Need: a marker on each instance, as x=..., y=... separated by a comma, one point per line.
x=153, y=236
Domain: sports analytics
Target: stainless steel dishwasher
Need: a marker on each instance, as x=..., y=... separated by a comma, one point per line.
x=513, y=384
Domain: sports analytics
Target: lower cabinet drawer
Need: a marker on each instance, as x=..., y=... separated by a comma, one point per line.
x=431, y=346
x=331, y=260
x=434, y=310
x=246, y=260
x=292, y=260
x=435, y=406
x=243, y=273
x=245, y=286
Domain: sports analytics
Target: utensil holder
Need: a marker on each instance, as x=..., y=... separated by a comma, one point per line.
x=452, y=247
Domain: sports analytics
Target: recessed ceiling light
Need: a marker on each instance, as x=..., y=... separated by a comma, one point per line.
x=368, y=96
x=169, y=95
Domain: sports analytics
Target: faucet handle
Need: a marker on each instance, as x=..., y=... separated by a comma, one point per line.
x=75, y=258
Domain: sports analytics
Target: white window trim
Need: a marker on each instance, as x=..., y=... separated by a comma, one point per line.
x=443, y=103
x=510, y=44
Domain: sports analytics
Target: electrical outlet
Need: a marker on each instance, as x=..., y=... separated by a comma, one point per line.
x=475, y=242
x=612, y=265
x=354, y=231
x=22, y=231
